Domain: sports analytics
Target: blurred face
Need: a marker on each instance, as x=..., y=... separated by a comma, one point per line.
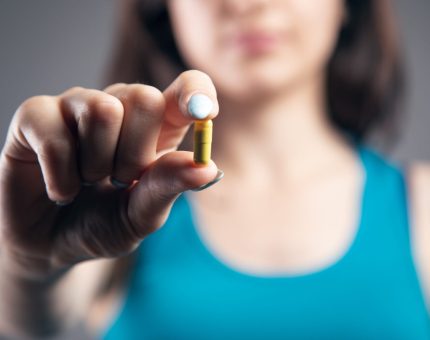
x=254, y=48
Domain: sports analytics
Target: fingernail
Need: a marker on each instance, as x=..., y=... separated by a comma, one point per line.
x=63, y=203
x=118, y=184
x=218, y=177
x=200, y=106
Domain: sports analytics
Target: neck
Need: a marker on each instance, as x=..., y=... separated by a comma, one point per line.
x=288, y=134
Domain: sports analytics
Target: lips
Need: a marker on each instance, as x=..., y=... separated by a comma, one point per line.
x=257, y=42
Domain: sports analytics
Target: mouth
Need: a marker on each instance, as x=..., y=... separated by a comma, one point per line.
x=257, y=42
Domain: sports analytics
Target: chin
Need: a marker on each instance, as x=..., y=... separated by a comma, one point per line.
x=256, y=83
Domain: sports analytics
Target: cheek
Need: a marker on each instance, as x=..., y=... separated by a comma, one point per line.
x=194, y=30
x=317, y=27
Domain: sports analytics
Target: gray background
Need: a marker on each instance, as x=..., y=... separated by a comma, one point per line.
x=47, y=46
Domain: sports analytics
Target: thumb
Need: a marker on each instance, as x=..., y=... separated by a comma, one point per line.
x=152, y=197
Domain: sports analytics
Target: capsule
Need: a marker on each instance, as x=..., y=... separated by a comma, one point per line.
x=202, y=141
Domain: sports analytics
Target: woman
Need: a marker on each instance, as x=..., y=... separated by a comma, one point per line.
x=307, y=236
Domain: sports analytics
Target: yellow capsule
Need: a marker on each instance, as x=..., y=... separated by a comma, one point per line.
x=202, y=141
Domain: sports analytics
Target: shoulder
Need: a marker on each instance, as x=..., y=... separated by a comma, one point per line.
x=418, y=181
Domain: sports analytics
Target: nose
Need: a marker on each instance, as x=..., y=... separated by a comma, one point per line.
x=244, y=6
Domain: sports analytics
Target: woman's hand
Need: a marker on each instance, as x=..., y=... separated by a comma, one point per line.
x=58, y=206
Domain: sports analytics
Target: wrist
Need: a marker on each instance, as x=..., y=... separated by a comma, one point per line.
x=18, y=266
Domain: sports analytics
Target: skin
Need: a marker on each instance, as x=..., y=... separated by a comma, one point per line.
x=271, y=89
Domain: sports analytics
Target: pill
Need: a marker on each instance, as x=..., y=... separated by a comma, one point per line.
x=202, y=141
x=200, y=106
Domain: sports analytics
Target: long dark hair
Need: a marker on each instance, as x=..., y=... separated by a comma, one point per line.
x=364, y=78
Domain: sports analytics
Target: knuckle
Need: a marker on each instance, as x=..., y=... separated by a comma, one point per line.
x=146, y=99
x=103, y=112
x=92, y=106
x=73, y=91
x=114, y=87
x=111, y=106
x=32, y=105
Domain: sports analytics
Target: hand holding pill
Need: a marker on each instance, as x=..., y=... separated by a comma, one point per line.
x=104, y=164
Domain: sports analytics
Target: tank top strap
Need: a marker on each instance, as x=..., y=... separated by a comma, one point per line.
x=385, y=216
x=384, y=249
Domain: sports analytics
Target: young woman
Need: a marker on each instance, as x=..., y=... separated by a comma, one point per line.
x=309, y=235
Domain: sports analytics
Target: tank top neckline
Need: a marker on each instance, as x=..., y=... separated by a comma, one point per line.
x=219, y=264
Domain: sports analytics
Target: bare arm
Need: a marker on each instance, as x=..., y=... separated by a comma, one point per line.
x=51, y=304
x=419, y=189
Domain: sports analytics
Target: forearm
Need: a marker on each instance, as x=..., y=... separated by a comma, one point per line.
x=33, y=306
x=41, y=306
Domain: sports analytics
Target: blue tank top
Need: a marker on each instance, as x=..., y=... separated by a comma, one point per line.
x=180, y=290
